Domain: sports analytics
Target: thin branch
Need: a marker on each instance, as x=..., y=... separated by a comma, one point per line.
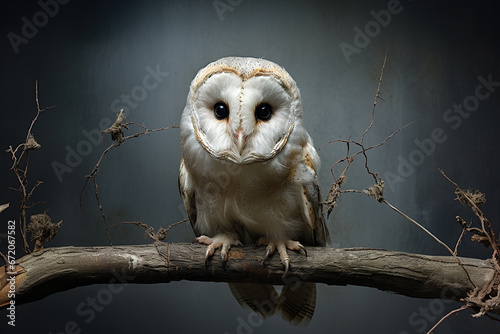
x=21, y=173
x=432, y=235
x=459, y=241
x=376, y=97
x=165, y=231
x=484, y=221
x=419, y=225
x=351, y=191
x=487, y=297
x=361, y=145
x=150, y=231
x=116, y=132
x=494, y=321
x=101, y=210
x=446, y=316
x=334, y=191
x=377, y=190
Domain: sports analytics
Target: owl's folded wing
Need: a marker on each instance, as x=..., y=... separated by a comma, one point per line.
x=312, y=207
x=186, y=188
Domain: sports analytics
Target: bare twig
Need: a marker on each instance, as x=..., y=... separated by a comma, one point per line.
x=335, y=190
x=21, y=173
x=494, y=320
x=485, y=299
x=463, y=307
x=489, y=233
x=156, y=237
x=459, y=241
x=162, y=232
x=377, y=190
x=350, y=191
x=116, y=132
x=150, y=231
x=432, y=235
x=363, y=149
x=377, y=95
x=477, y=234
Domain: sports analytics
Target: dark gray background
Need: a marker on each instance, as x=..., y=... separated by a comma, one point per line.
x=91, y=52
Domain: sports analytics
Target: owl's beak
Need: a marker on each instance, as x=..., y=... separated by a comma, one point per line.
x=239, y=140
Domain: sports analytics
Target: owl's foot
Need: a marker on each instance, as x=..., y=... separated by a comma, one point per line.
x=224, y=241
x=282, y=246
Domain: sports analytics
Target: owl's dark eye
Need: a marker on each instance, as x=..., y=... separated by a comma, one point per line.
x=263, y=112
x=221, y=110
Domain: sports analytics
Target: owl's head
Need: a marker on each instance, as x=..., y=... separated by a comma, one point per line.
x=242, y=110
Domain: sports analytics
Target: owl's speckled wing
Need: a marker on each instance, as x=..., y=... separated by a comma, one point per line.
x=311, y=200
x=187, y=190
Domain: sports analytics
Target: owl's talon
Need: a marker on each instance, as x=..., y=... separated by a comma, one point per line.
x=225, y=250
x=269, y=251
x=206, y=260
x=287, y=266
x=219, y=241
x=282, y=247
x=208, y=253
x=264, y=260
x=303, y=248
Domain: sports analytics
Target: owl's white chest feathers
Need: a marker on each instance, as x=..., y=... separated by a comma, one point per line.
x=257, y=200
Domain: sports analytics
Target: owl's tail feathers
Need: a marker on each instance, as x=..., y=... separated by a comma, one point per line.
x=260, y=298
x=298, y=303
x=297, y=300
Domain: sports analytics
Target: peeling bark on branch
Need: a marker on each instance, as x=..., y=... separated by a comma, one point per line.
x=58, y=269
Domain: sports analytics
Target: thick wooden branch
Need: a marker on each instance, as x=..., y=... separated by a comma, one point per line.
x=58, y=269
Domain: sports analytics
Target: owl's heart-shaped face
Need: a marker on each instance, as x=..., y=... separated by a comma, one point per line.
x=243, y=116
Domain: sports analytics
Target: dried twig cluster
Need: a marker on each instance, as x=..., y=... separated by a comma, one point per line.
x=481, y=299
x=150, y=231
x=42, y=229
x=486, y=298
x=157, y=237
x=375, y=191
x=118, y=137
x=20, y=167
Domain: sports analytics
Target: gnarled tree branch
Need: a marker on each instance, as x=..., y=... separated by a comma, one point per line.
x=57, y=269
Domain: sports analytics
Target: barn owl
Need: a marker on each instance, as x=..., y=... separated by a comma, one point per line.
x=248, y=173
